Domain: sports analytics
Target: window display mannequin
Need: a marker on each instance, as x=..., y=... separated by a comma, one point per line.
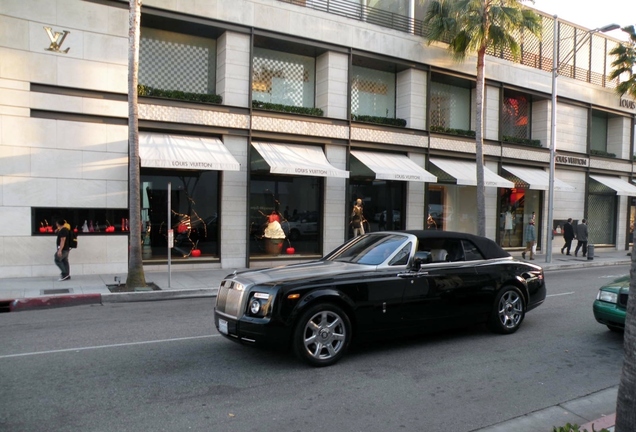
x=357, y=218
x=508, y=226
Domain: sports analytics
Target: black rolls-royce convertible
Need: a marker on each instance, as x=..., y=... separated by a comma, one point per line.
x=380, y=284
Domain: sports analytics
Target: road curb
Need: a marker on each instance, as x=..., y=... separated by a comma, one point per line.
x=589, y=263
x=603, y=423
x=24, y=304
x=158, y=295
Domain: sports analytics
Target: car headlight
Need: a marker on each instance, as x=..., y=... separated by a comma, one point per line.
x=259, y=304
x=607, y=296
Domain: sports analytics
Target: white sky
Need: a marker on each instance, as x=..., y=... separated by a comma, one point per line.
x=591, y=13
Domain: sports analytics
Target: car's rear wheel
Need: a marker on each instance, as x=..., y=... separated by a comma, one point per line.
x=508, y=312
x=322, y=335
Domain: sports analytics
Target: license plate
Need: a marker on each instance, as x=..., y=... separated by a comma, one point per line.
x=223, y=326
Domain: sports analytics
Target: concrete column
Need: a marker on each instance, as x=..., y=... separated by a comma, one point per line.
x=411, y=98
x=233, y=240
x=491, y=113
x=415, y=211
x=541, y=121
x=332, y=76
x=333, y=227
x=233, y=69
x=618, y=135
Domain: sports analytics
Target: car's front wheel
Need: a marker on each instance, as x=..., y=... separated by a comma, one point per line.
x=322, y=335
x=508, y=312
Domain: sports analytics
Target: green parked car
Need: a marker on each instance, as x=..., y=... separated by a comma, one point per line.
x=611, y=304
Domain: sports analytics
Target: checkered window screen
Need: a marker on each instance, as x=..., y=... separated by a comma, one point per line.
x=450, y=106
x=283, y=78
x=515, y=116
x=601, y=211
x=372, y=92
x=175, y=61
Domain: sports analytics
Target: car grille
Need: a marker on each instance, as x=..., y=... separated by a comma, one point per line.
x=622, y=299
x=230, y=298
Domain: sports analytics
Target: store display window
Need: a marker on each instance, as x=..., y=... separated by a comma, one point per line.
x=194, y=213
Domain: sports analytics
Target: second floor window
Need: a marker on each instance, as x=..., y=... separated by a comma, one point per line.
x=598, y=132
x=372, y=92
x=177, y=61
x=450, y=105
x=515, y=119
x=283, y=78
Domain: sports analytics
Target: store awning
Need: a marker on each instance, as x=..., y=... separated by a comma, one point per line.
x=536, y=178
x=393, y=166
x=622, y=187
x=185, y=152
x=297, y=159
x=466, y=173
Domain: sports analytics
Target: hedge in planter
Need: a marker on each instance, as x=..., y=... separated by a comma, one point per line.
x=379, y=120
x=287, y=108
x=143, y=90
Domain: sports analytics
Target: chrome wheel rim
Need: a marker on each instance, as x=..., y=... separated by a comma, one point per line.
x=510, y=309
x=324, y=335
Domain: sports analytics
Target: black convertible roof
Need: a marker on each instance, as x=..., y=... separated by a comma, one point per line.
x=487, y=247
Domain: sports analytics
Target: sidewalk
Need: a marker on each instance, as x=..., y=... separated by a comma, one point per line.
x=17, y=294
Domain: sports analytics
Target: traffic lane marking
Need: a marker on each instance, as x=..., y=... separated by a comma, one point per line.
x=106, y=346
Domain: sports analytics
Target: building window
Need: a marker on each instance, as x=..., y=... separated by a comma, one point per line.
x=516, y=207
x=194, y=213
x=372, y=92
x=283, y=78
x=177, y=61
x=450, y=103
x=515, y=120
x=598, y=132
x=452, y=208
x=82, y=220
x=601, y=213
x=382, y=203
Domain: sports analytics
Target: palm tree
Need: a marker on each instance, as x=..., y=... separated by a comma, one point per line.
x=136, y=277
x=473, y=27
x=624, y=67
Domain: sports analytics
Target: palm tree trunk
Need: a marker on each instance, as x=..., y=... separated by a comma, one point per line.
x=136, y=277
x=479, y=143
x=626, y=401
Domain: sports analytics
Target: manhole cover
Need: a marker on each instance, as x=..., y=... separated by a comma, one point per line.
x=56, y=291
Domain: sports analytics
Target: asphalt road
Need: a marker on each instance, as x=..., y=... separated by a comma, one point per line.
x=161, y=366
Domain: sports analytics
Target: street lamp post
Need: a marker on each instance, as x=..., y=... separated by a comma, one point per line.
x=553, y=108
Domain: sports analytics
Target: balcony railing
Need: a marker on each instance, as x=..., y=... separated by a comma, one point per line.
x=535, y=53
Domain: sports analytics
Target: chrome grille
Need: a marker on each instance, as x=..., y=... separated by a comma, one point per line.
x=230, y=298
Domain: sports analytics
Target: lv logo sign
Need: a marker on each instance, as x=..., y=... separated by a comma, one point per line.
x=57, y=39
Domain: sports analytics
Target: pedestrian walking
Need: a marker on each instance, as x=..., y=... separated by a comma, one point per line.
x=63, y=248
x=568, y=236
x=581, y=237
x=531, y=237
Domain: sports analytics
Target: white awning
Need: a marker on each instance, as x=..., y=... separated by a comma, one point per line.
x=185, y=152
x=298, y=160
x=622, y=187
x=393, y=166
x=466, y=173
x=537, y=178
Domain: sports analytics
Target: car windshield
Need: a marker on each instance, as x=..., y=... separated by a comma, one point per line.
x=370, y=249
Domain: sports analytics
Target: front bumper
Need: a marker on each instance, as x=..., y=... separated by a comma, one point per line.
x=253, y=331
x=609, y=314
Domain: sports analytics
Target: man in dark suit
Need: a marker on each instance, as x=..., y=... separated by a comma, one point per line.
x=581, y=237
x=568, y=235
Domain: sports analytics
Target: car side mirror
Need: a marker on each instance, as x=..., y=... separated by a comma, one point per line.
x=417, y=264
